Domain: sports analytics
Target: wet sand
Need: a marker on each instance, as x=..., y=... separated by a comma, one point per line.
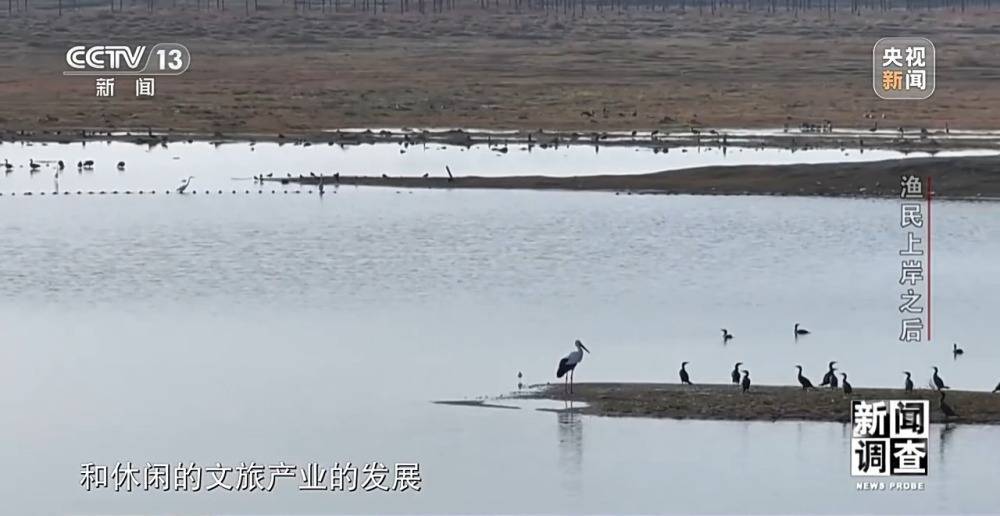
x=952, y=178
x=475, y=403
x=763, y=402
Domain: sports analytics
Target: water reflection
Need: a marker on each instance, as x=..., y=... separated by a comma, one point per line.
x=160, y=167
x=570, y=432
x=943, y=438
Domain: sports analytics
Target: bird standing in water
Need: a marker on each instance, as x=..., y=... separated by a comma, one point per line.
x=803, y=381
x=685, y=378
x=568, y=364
x=181, y=188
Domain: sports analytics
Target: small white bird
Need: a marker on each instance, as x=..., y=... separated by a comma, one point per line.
x=181, y=188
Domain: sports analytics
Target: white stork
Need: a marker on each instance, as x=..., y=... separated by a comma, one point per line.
x=568, y=364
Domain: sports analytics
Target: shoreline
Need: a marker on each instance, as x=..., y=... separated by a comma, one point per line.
x=655, y=138
x=762, y=403
x=966, y=178
x=961, y=178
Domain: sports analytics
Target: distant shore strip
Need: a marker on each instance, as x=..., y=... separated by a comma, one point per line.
x=956, y=178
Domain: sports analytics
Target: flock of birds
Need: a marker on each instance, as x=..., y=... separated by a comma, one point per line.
x=35, y=166
x=335, y=177
x=741, y=377
x=81, y=166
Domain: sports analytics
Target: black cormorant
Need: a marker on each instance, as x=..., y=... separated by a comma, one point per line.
x=746, y=380
x=685, y=379
x=830, y=378
x=909, y=382
x=938, y=382
x=726, y=336
x=847, y=386
x=803, y=381
x=736, y=372
x=800, y=331
x=956, y=350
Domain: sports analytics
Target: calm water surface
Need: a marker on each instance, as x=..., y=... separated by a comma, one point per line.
x=269, y=328
x=231, y=166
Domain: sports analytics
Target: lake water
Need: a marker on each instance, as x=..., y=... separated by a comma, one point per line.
x=231, y=166
x=307, y=329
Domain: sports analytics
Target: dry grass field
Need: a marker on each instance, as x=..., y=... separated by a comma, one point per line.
x=278, y=71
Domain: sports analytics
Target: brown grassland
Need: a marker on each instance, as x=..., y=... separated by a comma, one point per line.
x=279, y=71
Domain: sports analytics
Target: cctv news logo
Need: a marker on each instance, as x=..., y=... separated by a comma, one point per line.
x=161, y=59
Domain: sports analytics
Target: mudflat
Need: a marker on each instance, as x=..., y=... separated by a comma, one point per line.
x=762, y=402
x=968, y=178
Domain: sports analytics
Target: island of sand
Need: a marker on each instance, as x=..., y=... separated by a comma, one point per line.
x=761, y=403
x=968, y=178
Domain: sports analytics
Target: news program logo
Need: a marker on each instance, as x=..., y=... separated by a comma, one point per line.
x=904, y=68
x=889, y=437
x=107, y=60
